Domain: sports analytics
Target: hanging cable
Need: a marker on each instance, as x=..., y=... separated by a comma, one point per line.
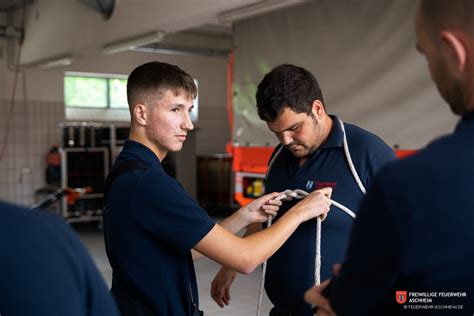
x=15, y=81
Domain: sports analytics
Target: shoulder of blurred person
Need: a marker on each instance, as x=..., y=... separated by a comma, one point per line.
x=420, y=208
x=45, y=269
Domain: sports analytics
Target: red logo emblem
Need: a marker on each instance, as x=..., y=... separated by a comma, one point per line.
x=323, y=184
x=401, y=297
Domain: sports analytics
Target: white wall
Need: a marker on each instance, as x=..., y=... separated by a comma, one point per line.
x=363, y=55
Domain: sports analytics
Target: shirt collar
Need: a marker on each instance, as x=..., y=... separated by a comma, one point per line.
x=466, y=122
x=141, y=152
x=336, y=136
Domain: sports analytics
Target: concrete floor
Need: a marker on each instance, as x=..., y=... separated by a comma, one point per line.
x=244, y=291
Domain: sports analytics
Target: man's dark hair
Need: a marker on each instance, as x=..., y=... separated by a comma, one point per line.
x=287, y=86
x=444, y=14
x=153, y=78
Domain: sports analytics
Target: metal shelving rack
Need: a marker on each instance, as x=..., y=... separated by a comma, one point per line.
x=80, y=168
x=88, y=150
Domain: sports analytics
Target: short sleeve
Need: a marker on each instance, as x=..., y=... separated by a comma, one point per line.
x=161, y=206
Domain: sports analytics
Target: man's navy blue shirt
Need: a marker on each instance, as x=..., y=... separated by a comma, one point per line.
x=152, y=224
x=414, y=233
x=45, y=269
x=290, y=271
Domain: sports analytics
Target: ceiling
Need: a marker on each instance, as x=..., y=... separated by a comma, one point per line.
x=78, y=28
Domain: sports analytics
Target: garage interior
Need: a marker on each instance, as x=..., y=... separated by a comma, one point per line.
x=59, y=145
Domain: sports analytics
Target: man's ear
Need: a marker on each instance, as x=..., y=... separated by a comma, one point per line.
x=318, y=109
x=455, y=52
x=140, y=113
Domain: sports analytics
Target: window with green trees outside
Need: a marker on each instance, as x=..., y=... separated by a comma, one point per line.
x=95, y=90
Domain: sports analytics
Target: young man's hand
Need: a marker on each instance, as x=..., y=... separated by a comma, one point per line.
x=260, y=209
x=317, y=203
x=220, y=286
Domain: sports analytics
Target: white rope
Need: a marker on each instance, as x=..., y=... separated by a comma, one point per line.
x=317, y=257
x=301, y=194
x=349, y=159
x=298, y=194
x=272, y=161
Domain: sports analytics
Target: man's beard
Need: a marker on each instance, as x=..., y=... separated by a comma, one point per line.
x=450, y=89
x=306, y=150
x=302, y=152
x=455, y=98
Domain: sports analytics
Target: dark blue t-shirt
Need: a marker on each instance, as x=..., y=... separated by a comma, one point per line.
x=45, y=269
x=152, y=224
x=414, y=233
x=290, y=271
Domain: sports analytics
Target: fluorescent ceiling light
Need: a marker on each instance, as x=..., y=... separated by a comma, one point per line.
x=57, y=61
x=133, y=42
x=183, y=50
x=256, y=9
